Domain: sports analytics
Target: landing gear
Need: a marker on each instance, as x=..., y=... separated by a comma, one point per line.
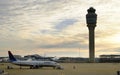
x=34, y=67
x=59, y=67
x=31, y=67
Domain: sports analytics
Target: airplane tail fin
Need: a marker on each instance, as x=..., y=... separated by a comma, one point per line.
x=11, y=57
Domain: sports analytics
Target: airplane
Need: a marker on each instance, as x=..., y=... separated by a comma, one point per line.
x=33, y=64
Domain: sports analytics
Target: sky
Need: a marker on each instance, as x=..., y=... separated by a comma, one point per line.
x=58, y=27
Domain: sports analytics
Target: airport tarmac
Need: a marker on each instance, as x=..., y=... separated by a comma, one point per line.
x=69, y=69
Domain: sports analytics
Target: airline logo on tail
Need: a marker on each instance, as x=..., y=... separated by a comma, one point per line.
x=11, y=57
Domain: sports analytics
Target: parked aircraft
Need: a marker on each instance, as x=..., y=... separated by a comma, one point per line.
x=33, y=63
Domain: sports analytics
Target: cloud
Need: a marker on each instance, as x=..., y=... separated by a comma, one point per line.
x=110, y=50
x=65, y=23
x=55, y=24
x=69, y=44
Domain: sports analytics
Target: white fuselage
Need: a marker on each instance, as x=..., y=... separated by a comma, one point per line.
x=36, y=63
x=32, y=63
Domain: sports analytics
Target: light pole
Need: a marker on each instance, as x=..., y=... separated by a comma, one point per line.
x=91, y=19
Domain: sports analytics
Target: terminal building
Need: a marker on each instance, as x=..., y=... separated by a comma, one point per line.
x=109, y=58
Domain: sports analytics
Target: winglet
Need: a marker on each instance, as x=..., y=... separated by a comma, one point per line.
x=11, y=57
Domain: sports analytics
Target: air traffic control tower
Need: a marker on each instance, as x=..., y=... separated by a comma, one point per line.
x=91, y=20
